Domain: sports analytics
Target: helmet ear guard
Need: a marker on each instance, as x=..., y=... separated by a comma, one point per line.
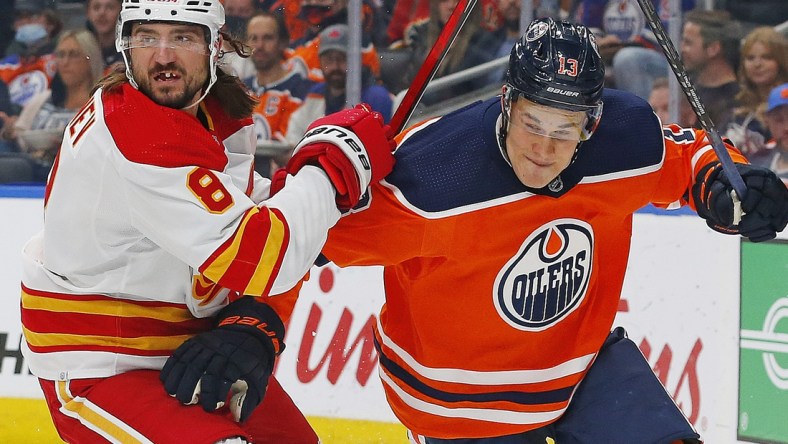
x=592, y=122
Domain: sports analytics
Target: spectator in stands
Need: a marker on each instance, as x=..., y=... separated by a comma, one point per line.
x=7, y=111
x=406, y=12
x=764, y=66
x=238, y=13
x=627, y=44
x=757, y=12
x=279, y=88
x=471, y=48
x=319, y=15
x=776, y=156
x=102, y=16
x=290, y=11
x=38, y=130
x=659, y=99
x=35, y=24
x=29, y=66
x=506, y=35
x=329, y=96
x=710, y=52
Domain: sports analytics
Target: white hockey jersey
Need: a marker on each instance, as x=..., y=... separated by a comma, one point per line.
x=153, y=223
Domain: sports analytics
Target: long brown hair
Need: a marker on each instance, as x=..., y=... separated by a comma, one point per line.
x=749, y=98
x=234, y=97
x=457, y=53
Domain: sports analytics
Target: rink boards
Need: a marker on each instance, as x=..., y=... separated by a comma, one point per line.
x=724, y=362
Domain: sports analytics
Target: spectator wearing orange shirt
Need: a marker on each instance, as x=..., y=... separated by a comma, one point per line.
x=279, y=88
x=29, y=65
x=319, y=15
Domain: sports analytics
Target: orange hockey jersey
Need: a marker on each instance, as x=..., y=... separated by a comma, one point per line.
x=305, y=59
x=498, y=298
x=27, y=76
x=277, y=101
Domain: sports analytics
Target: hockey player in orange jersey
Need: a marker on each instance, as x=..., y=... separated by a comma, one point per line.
x=159, y=279
x=504, y=232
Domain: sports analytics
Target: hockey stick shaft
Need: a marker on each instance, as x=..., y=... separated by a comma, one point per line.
x=431, y=63
x=692, y=95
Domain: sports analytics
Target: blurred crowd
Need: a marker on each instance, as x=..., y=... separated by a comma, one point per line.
x=53, y=51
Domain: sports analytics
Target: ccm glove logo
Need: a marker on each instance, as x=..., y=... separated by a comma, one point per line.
x=338, y=136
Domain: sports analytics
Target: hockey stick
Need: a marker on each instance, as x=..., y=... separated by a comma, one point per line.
x=740, y=189
x=431, y=64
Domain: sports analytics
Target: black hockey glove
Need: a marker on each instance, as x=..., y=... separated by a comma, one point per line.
x=238, y=355
x=765, y=209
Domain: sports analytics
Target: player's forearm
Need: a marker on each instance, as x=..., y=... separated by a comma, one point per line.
x=308, y=205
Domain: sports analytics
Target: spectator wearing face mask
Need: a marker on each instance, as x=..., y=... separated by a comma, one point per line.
x=35, y=25
x=29, y=67
x=38, y=130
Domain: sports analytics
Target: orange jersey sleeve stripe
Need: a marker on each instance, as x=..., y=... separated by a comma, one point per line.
x=475, y=400
x=251, y=258
x=465, y=421
x=527, y=396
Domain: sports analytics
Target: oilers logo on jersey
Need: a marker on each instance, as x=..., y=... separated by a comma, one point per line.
x=548, y=277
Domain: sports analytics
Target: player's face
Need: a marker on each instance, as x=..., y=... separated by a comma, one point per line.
x=169, y=62
x=541, y=141
x=262, y=36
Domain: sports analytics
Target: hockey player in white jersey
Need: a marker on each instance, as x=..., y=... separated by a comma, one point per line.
x=157, y=280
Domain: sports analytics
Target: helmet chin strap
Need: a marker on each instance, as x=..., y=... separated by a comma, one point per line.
x=501, y=130
x=211, y=81
x=202, y=97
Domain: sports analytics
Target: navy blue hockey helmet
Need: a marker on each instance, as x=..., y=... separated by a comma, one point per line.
x=556, y=64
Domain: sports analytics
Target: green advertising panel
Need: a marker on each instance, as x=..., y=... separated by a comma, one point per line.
x=763, y=357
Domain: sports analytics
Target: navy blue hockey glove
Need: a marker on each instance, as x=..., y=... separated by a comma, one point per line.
x=765, y=209
x=237, y=355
